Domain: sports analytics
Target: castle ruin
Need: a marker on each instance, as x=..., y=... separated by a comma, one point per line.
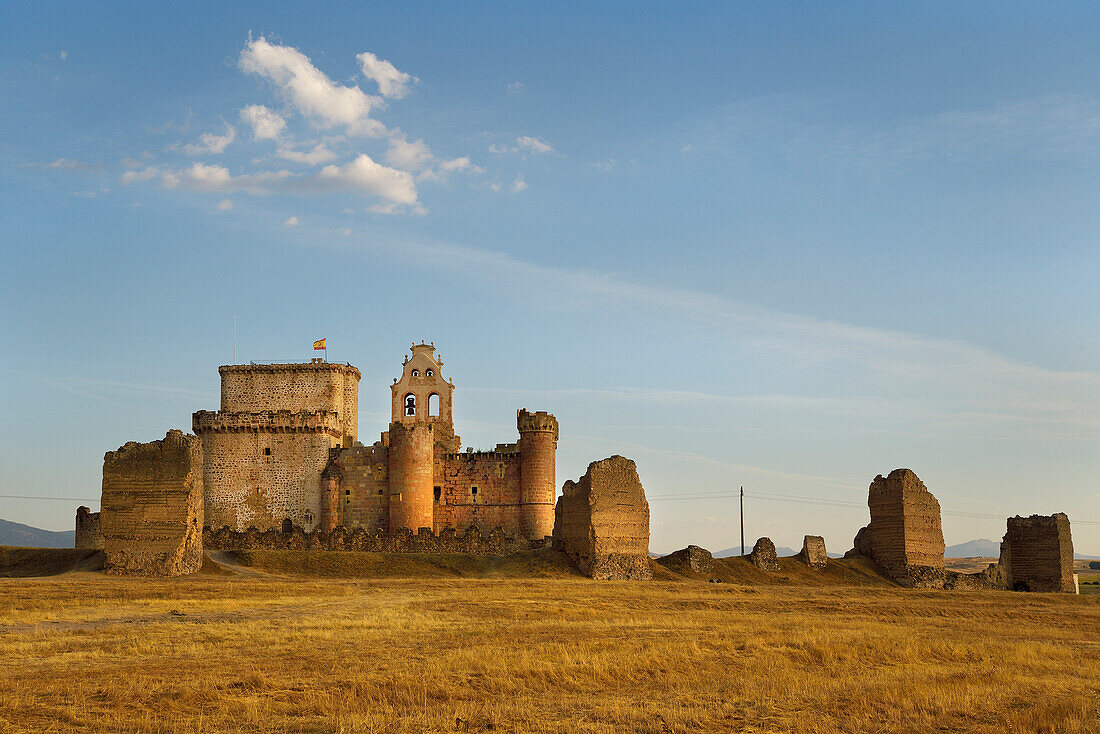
x=904, y=537
x=1037, y=554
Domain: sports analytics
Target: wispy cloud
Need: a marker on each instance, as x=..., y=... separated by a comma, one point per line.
x=1062, y=128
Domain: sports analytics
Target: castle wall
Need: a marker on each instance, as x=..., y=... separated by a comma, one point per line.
x=412, y=474
x=362, y=489
x=602, y=521
x=496, y=474
x=152, y=507
x=88, y=535
x=1037, y=553
x=262, y=474
x=904, y=536
x=317, y=386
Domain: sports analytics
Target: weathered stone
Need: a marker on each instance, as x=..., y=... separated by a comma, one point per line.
x=88, y=535
x=813, y=551
x=692, y=559
x=152, y=507
x=763, y=555
x=602, y=521
x=1037, y=553
x=904, y=537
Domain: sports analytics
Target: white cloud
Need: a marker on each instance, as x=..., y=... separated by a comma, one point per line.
x=364, y=176
x=211, y=143
x=320, y=154
x=393, y=84
x=138, y=176
x=396, y=209
x=500, y=149
x=225, y=205
x=266, y=125
x=291, y=222
x=515, y=87
x=70, y=164
x=345, y=232
x=408, y=156
x=309, y=90
x=534, y=145
x=64, y=55
x=605, y=165
x=519, y=184
x=495, y=186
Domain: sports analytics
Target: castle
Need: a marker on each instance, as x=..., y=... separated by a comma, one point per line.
x=284, y=446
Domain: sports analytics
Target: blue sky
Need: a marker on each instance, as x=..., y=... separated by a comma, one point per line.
x=785, y=246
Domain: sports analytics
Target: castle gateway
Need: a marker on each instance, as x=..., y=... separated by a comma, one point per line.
x=283, y=447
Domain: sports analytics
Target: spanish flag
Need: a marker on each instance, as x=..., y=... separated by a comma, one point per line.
x=319, y=344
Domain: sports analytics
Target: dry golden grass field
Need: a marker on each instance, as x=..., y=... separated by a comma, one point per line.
x=526, y=646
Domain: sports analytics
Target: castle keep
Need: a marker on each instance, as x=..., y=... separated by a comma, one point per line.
x=283, y=447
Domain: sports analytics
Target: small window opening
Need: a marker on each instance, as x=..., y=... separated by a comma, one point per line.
x=416, y=373
x=473, y=494
x=347, y=491
x=429, y=372
x=410, y=404
x=438, y=491
x=267, y=452
x=379, y=491
x=433, y=405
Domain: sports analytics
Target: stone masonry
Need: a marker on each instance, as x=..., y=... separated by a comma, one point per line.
x=1037, y=553
x=692, y=559
x=763, y=555
x=88, y=535
x=602, y=521
x=813, y=551
x=904, y=537
x=152, y=507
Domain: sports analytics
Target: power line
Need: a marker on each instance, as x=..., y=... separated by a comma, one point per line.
x=824, y=502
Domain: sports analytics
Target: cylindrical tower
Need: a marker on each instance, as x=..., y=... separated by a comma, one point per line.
x=330, y=497
x=538, y=445
x=411, y=457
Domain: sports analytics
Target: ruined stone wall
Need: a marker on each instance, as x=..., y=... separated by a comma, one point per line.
x=813, y=551
x=538, y=445
x=317, y=386
x=495, y=475
x=904, y=536
x=692, y=559
x=602, y=521
x=471, y=541
x=152, y=507
x=88, y=535
x=1037, y=553
x=264, y=473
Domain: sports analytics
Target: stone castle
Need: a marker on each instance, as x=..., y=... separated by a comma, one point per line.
x=284, y=446
x=279, y=466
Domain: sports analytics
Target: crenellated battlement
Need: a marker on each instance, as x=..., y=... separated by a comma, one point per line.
x=537, y=422
x=268, y=421
x=316, y=365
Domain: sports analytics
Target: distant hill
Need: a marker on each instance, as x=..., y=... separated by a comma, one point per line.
x=982, y=548
x=979, y=548
x=15, y=533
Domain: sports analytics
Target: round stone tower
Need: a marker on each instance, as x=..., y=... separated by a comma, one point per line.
x=411, y=463
x=538, y=445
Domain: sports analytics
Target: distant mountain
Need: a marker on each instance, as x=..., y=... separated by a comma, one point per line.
x=14, y=533
x=979, y=548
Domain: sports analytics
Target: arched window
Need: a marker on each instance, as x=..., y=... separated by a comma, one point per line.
x=410, y=404
x=416, y=373
x=429, y=372
x=433, y=405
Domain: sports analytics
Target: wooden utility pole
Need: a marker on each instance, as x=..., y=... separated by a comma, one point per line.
x=742, y=520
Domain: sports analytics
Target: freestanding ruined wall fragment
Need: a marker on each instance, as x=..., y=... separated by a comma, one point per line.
x=813, y=551
x=691, y=559
x=88, y=536
x=152, y=507
x=763, y=555
x=1037, y=553
x=904, y=536
x=602, y=521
